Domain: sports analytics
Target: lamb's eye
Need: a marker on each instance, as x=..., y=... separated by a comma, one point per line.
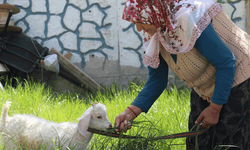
x=99, y=117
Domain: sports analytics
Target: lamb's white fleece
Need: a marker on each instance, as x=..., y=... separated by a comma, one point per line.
x=31, y=132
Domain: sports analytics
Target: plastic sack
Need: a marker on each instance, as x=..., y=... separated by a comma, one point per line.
x=51, y=63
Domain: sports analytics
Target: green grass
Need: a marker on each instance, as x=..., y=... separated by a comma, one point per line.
x=168, y=115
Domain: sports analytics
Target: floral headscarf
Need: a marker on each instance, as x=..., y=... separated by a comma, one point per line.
x=179, y=23
x=157, y=12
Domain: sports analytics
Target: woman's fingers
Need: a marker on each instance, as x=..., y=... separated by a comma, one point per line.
x=122, y=122
x=124, y=126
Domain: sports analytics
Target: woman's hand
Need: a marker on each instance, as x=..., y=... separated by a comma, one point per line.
x=122, y=121
x=210, y=115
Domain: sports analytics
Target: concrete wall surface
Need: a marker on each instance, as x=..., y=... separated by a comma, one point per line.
x=103, y=45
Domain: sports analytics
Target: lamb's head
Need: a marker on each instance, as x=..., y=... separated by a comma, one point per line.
x=99, y=117
x=95, y=117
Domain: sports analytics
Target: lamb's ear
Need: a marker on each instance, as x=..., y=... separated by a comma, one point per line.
x=84, y=122
x=93, y=103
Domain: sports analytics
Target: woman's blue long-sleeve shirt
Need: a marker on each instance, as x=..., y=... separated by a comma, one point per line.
x=214, y=50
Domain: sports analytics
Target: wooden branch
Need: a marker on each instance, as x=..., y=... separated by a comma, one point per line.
x=68, y=55
x=76, y=72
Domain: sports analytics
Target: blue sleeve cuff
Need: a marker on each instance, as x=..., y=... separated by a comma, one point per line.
x=224, y=79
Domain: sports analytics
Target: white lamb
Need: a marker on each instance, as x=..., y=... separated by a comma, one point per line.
x=29, y=132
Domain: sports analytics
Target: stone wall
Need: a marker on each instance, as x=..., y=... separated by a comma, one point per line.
x=103, y=45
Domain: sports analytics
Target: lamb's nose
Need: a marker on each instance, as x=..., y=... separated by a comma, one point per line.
x=110, y=125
